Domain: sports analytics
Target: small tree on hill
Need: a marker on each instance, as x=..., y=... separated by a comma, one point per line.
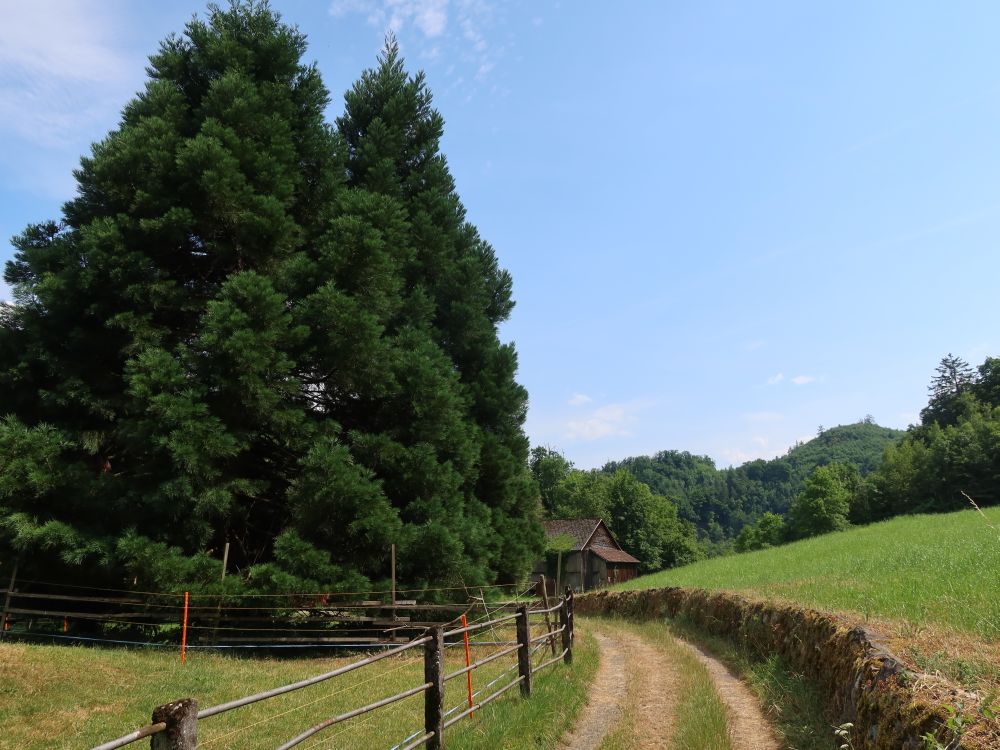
x=824, y=503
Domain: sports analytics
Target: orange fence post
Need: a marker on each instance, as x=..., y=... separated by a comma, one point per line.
x=184, y=631
x=65, y=624
x=468, y=661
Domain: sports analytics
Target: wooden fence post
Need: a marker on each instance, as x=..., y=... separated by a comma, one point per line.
x=181, y=718
x=524, y=652
x=567, y=640
x=434, y=696
x=545, y=605
x=570, y=619
x=6, y=599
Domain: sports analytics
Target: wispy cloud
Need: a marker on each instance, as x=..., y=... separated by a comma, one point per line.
x=612, y=420
x=60, y=70
x=452, y=29
x=429, y=16
x=803, y=379
x=776, y=378
x=579, y=399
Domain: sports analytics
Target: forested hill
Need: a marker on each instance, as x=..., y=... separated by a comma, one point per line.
x=721, y=501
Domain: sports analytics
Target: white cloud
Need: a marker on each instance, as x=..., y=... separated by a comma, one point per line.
x=579, y=399
x=457, y=28
x=612, y=420
x=776, y=378
x=737, y=456
x=429, y=16
x=803, y=379
x=60, y=71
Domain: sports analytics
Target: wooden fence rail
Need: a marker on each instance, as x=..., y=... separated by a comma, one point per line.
x=174, y=726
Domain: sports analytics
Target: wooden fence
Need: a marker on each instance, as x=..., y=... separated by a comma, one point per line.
x=174, y=726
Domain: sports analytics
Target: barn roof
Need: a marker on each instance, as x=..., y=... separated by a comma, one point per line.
x=581, y=529
x=613, y=555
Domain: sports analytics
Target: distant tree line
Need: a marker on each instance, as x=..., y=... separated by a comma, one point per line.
x=953, y=452
x=681, y=507
x=722, y=502
x=950, y=458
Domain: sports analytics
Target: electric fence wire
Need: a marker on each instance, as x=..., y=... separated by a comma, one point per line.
x=476, y=694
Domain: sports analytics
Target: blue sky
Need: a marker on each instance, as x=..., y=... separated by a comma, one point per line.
x=728, y=223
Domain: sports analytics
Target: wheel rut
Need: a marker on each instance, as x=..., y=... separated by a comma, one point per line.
x=603, y=708
x=625, y=657
x=748, y=728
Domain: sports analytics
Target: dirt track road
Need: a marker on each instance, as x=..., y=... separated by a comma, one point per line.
x=627, y=656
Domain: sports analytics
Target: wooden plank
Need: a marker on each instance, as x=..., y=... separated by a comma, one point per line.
x=72, y=598
x=365, y=640
x=85, y=615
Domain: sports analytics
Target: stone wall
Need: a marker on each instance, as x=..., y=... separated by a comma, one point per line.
x=890, y=706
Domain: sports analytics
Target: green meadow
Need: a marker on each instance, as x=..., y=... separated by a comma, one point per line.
x=939, y=570
x=75, y=697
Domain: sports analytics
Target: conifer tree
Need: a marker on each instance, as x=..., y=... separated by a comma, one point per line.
x=465, y=415
x=234, y=336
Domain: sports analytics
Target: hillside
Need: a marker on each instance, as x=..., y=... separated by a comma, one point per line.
x=926, y=579
x=721, y=501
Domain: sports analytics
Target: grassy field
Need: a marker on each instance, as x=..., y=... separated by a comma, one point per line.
x=937, y=570
x=76, y=697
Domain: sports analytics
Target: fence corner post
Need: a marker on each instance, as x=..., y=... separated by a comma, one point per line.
x=524, y=652
x=434, y=695
x=567, y=637
x=181, y=718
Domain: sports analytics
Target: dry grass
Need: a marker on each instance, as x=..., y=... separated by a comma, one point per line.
x=76, y=697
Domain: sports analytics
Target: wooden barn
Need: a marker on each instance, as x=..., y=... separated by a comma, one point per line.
x=594, y=560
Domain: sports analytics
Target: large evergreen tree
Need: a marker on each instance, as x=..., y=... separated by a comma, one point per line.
x=251, y=328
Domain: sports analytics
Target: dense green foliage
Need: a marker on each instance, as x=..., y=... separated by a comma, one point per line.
x=824, y=502
x=253, y=327
x=955, y=449
x=722, y=502
x=646, y=525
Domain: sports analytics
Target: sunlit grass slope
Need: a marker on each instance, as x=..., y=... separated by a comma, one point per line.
x=74, y=697
x=927, y=569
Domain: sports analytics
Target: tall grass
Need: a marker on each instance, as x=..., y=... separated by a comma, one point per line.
x=925, y=569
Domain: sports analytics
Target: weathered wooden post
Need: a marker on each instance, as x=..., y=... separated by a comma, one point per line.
x=181, y=718
x=434, y=696
x=567, y=640
x=524, y=652
x=545, y=605
x=570, y=618
x=6, y=599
